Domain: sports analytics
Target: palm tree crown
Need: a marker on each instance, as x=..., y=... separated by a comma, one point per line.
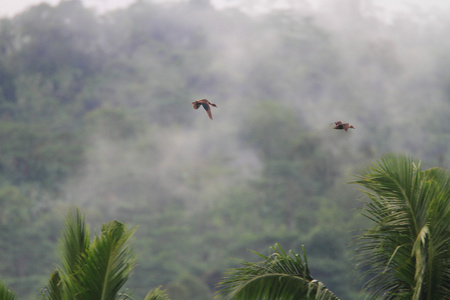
x=94, y=270
x=407, y=251
x=281, y=275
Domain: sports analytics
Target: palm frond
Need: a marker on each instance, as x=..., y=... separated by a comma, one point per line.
x=279, y=276
x=107, y=264
x=74, y=242
x=54, y=289
x=6, y=294
x=409, y=241
x=157, y=294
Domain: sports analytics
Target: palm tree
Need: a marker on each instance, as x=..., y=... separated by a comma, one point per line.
x=157, y=294
x=96, y=270
x=280, y=275
x=406, y=254
x=6, y=294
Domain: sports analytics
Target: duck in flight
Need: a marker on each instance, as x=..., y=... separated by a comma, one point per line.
x=340, y=125
x=206, y=105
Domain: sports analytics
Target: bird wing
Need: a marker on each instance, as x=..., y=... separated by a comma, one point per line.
x=208, y=109
x=345, y=126
x=338, y=123
x=196, y=105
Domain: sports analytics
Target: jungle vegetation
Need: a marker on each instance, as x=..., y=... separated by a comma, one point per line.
x=95, y=112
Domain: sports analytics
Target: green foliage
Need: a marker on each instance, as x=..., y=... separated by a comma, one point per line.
x=406, y=252
x=95, y=109
x=188, y=286
x=13, y=207
x=280, y=275
x=55, y=288
x=96, y=270
x=101, y=120
x=56, y=42
x=20, y=233
x=106, y=265
x=34, y=153
x=6, y=294
x=75, y=242
x=157, y=294
x=271, y=125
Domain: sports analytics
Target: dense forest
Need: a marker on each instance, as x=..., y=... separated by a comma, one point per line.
x=95, y=111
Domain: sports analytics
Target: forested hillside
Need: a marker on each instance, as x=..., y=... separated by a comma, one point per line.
x=95, y=111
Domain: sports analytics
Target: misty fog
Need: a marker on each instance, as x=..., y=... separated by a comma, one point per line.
x=388, y=79
x=207, y=189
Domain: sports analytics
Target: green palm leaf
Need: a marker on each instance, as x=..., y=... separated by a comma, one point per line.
x=6, y=294
x=96, y=270
x=106, y=265
x=406, y=252
x=54, y=289
x=157, y=294
x=279, y=276
x=75, y=241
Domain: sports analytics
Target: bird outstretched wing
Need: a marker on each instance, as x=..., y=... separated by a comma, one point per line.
x=345, y=126
x=208, y=110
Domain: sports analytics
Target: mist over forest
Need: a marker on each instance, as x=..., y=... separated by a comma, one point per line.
x=95, y=111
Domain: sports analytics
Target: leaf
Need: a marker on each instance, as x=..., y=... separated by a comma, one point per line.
x=96, y=270
x=54, y=289
x=279, y=276
x=157, y=294
x=6, y=294
x=74, y=242
x=106, y=265
x=406, y=253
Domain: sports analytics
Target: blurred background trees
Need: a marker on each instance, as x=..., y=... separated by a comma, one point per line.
x=95, y=111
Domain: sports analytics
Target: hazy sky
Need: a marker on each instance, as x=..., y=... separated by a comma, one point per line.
x=11, y=7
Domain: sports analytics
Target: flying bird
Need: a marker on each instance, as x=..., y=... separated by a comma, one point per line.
x=340, y=125
x=206, y=105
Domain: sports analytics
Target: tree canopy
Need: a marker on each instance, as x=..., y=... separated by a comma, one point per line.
x=406, y=253
x=95, y=111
